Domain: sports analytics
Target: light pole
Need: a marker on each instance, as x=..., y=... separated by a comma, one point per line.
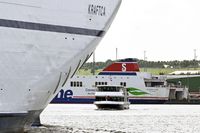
x=145, y=61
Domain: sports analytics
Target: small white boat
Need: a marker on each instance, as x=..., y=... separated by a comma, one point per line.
x=111, y=97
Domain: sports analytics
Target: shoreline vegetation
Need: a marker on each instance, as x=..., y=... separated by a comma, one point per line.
x=154, y=67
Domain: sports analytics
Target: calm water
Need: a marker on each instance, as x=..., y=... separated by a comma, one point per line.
x=138, y=119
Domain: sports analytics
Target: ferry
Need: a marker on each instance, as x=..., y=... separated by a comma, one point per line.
x=43, y=44
x=142, y=87
x=111, y=97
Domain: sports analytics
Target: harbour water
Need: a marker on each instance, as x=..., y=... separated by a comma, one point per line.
x=85, y=118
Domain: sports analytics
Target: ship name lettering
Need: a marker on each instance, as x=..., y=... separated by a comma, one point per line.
x=68, y=94
x=97, y=10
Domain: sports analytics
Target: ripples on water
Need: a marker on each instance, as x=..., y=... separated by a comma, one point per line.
x=78, y=118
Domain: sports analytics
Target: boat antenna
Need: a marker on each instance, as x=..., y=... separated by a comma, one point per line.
x=145, y=59
x=116, y=54
x=195, y=54
x=195, y=58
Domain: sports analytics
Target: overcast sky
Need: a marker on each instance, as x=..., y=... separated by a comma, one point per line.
x=165, y=29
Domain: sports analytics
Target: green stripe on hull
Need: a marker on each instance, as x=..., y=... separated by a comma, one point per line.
x=135, y=91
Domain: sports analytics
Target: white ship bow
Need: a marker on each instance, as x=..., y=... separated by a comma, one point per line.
x=42, y=44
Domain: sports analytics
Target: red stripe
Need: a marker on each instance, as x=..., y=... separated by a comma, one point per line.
x=123, y=67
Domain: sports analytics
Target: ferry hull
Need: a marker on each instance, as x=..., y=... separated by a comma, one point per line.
x=141, y=101
x=143, y=88
x=109, y=106
x=91, y=101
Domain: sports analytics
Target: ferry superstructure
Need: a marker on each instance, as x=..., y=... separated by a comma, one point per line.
x=142, y=87
x=42, y=45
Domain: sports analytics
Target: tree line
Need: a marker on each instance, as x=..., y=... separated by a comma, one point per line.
x=149, y=64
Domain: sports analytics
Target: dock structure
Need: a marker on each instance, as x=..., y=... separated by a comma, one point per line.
x=178, y=93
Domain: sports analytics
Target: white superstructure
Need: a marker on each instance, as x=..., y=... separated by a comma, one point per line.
x=42, y=44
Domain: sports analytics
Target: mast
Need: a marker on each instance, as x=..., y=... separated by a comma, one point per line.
x=145, y=59
x=116, y=53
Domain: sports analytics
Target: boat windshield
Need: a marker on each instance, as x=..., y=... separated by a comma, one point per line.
x=108, y=98
x=109, y=88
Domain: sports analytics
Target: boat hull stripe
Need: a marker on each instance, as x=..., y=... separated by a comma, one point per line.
x=92, y=100
x=50, y=28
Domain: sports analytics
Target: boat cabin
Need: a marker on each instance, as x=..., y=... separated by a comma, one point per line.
x=111, y=97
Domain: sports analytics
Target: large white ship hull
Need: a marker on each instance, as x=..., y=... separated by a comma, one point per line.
x=43, y=43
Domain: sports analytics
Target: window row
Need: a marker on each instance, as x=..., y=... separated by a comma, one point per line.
x=76, y=84
x=100, y=83
x=112, y=89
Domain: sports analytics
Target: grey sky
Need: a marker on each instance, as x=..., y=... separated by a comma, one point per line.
x=166, y=29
